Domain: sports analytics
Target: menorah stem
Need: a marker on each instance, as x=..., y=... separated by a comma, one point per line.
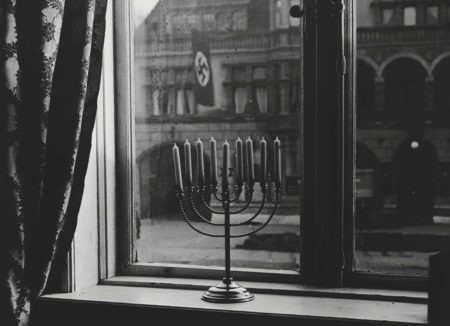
x=226, y=204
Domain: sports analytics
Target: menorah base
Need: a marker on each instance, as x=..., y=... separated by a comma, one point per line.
x=227, y=292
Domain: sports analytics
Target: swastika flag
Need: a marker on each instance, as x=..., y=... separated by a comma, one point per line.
x=204, y=90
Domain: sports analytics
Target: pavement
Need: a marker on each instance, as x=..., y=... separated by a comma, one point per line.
x=395, y=250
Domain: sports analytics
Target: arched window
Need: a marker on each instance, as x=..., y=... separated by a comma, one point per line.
x=404, y=82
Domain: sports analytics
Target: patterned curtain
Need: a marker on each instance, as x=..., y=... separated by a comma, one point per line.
x=50, y=68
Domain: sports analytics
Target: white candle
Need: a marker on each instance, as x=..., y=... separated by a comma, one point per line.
x=277, y=145
x=177, y=168
x=263, y=152
x=250, y=167
x=239, y=161
x=200, y=163
x=226, y=155
x=212, y=142
x=188, y=162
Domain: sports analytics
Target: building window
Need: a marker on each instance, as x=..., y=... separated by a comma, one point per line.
x=410, y=16
x=224, y=21
x=387, y=16
x=432, y=15
x=239, y=20
x=282, y=18
x=209, y=22
x=293, y=21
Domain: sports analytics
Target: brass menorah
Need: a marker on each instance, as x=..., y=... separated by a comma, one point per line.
x=227, y=291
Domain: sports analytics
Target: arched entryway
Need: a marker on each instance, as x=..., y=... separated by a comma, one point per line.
x=415, y=168
x=365, y=89
x=404, y=81
x=157, y=197
x=442, y=86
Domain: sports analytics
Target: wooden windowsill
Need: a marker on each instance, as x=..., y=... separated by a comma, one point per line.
x=329, y=306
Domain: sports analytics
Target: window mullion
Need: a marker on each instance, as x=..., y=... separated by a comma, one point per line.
x=324, y=158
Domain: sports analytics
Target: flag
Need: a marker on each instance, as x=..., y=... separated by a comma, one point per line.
x=204, y=90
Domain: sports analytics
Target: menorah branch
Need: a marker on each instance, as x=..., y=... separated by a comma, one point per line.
x=249, y=193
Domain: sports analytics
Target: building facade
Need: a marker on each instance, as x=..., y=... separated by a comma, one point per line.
x=256, y=69
x=402, y=97
x=403, y=109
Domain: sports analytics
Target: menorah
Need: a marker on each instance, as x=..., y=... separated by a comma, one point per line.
x=227, y=291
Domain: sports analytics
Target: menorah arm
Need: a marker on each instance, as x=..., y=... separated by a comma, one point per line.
x=194, y=208
x=261, y=206
x=212, y=210
x=275, y=207
x=216, y=195
x=185, y=215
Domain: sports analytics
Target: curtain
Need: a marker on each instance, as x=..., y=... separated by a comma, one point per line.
x=261, y=98
x=51, y=53
x=191, y=101
x=240, y=99
x=155, y=100
x=181, y=102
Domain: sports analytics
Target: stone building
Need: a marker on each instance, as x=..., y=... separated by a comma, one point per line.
x=256, y=76
x=403, y=108
x=402, y=98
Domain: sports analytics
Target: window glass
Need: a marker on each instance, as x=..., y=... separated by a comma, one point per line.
x=387, y=16
x=242, y=87
x=292, y=20
x=240, y=20
x=432, y=15
x=409, y=16
x=402, y=148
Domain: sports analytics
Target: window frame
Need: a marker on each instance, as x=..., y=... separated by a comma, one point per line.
x=328, y=232
x=125, y=121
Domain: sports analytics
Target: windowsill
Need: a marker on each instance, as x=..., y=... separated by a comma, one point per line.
x=272, y=300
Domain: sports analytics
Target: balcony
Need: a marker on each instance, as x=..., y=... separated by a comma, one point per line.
x=403, y=35
x=227, y=41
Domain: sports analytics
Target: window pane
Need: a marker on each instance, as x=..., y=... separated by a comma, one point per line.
x=402, y=147
x=388, y=15
x=432, y=15
x=409, y=16
x=243, y=88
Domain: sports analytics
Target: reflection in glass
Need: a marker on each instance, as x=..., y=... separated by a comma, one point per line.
x=409, y=16
x=403, y=139
x=222, y=69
